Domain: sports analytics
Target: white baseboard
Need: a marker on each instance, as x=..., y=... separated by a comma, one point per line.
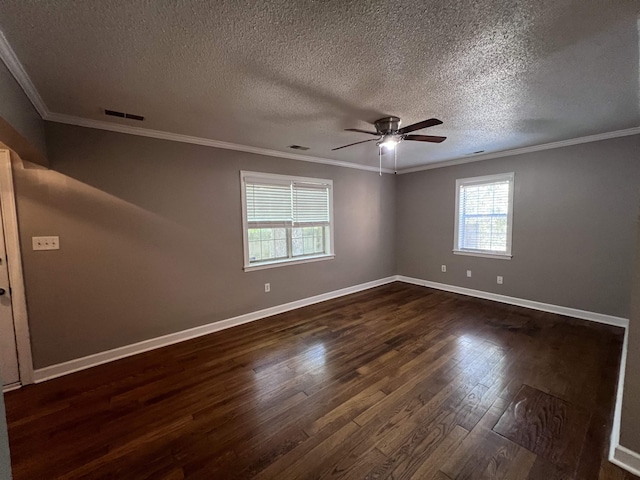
x=11, y=387
x=618, y=455
x=614, y=442
x=627, y=459
x=60, y=369
x=521, y=302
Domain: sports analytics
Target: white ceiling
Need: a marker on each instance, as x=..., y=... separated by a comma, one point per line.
x=500, y=74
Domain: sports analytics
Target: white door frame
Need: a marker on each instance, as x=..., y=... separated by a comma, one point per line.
x=14, y=264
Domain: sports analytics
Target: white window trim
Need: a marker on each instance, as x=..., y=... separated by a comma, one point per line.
x=248, y=267
x=479, y=180
x=474, y=253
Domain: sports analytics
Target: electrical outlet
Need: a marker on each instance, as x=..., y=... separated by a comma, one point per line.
x=267, y=287
x=443, y=268
x=45, y=243
x=468, y=273
x=499, y=279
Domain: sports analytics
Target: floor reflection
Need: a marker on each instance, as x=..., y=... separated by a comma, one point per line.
x=309, y=360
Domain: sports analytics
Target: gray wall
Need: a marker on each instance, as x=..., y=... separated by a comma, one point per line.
x=5, y=462
x=630, y=424
x=573, y=229
x=151, y=239
x=16, y=108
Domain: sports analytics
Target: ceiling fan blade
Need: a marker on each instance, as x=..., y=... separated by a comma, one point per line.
x=425, y=138
x=361, y=131
x=420, y=125
x=345, y=146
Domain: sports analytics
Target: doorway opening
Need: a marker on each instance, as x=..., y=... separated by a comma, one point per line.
x=16, y=367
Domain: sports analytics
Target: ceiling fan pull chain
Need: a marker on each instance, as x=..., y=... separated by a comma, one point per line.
x=395, y=161
x=380, y=157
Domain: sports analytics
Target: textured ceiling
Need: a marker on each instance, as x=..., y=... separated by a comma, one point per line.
x=501, y=74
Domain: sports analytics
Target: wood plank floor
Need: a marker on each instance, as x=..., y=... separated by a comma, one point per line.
x=399, y=382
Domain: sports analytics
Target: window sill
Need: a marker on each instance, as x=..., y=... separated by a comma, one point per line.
x=499, y=256
x=283, y=263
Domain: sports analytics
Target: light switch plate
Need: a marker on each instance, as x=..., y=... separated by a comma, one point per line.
x=46, y=243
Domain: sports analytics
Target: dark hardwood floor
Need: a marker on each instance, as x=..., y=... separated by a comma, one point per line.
x=397, y=382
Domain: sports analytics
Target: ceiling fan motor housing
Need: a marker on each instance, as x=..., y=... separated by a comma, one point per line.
x=387, y=125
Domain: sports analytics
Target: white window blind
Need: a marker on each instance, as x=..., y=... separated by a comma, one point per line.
x=286, y=219
x=310, y=204
x=268, y=205
x=484, y=215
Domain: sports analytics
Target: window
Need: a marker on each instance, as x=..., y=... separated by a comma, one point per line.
x=285, y=219
x=484, y=214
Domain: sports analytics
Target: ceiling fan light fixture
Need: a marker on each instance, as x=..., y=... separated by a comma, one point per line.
x=388, y=142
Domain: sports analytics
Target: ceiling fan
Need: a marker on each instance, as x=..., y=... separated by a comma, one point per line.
x=389, y=135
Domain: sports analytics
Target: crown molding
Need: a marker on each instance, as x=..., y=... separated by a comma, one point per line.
x=14, y=65
x=520, y=151
x=177, y=137
x=10, y=59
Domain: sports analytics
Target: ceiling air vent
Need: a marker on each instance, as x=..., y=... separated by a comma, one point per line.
x=474, y=153
x=298, y=147
x=131, y=116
